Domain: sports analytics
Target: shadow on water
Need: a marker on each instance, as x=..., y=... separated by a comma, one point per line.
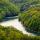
x=9, y=18
x=33, y=32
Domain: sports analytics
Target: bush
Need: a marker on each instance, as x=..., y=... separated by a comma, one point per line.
x=10, y=33
x=7, y=9
x=31, y=19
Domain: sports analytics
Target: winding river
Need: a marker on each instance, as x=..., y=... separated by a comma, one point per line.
x=16, y=24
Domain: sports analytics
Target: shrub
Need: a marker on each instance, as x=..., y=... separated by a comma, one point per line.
x=31, y=19
x=10, y=33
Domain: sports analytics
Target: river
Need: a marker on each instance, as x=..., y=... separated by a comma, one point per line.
x=16, y=24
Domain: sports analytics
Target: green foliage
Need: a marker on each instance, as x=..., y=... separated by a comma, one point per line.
x=10, y=33
x=31, y=19
x=12, y=7
x=6, y=7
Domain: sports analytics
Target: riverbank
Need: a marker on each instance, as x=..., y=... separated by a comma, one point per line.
x=16, y=24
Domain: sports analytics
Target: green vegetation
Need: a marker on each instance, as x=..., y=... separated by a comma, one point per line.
x=7, y=9
x=19, y=3
x=13, y=7
x=31, y=19
x=10, y=33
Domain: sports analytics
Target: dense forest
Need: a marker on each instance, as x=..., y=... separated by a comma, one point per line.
x=28, y=12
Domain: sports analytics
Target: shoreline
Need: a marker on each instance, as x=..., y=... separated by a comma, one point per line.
x=16, y=24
